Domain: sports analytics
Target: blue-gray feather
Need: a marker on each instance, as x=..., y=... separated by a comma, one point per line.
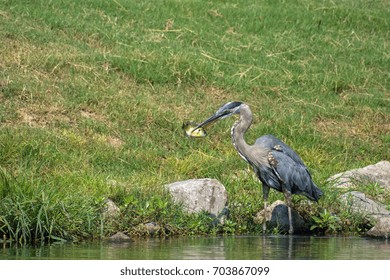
x=289, y=170
x=270, y=142
x=295, y=176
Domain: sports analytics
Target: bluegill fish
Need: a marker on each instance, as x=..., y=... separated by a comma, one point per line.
x=190, y=131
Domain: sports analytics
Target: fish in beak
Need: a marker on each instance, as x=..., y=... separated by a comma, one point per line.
x=226, y=110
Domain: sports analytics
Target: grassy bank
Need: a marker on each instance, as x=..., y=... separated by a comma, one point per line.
x=95, y=92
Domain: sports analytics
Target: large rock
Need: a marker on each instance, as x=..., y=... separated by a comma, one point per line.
x=200, y=195
x=381, y=229
x=277, y=217
x=359, y=203
x=376, y=173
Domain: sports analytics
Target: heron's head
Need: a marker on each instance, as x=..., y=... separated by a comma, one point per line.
x=225, y=111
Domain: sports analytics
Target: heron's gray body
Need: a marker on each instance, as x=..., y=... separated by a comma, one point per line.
x=276, y=165
x=285, y=169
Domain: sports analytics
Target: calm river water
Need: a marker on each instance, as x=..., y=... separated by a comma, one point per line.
x=212, y=248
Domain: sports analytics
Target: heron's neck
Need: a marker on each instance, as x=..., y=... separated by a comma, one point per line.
x=238, y=131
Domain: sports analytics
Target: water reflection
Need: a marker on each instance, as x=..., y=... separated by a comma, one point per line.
x=255, y=247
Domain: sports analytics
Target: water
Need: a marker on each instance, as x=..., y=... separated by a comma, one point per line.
x=213, y=248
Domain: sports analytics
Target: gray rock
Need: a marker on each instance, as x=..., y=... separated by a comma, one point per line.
x=277, y=217
x=200, y=195
x=381, y=229
x=360, y=204
x=376, y=173
x=152, y=228
x=259, y=218
x=119, y=237
x=110, y=209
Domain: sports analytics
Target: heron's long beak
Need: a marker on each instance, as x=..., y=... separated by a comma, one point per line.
x=225, y=111
x=211, y=120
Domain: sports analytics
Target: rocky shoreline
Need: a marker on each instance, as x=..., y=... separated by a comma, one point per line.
x=210, y=195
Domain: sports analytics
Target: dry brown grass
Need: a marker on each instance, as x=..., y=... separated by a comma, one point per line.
x=367, y=125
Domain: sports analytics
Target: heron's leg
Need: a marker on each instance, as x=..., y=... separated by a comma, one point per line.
x=291, y=229
x=287, y=195
x=265, y=198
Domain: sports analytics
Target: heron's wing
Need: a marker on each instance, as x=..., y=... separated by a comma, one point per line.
x=272, y=143
x=294, y=176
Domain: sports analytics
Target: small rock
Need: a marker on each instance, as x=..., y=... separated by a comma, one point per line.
x=110, y=209
x=152, y=228
x=119, y=237
x=381, y=229
x=360, y=204
x=277, y=217
x=198, y=195
x=259, y=218
x=280, y=220
x=376, y=173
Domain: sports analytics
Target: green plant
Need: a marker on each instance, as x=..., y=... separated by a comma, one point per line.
x=376, y=191
x=326, y=222
x=40, y=215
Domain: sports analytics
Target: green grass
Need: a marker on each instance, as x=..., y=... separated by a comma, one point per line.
x=92, y=91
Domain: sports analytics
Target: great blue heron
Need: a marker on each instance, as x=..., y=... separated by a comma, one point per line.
x=276, y=165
